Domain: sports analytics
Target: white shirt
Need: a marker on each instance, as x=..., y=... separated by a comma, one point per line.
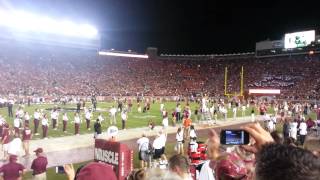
x=303, y=128
x=163, y=139
x=165, y=122
x=88, y=115
x=206, y=173
x=77, y=119
x=161, y=106
x=143, y=143
x=234, y=110
x=270, y=126
x=65, y=118
x=15, y=146
x=27, y=117
x=179, y=136
x=100, y=118
x=16, y=122
x=193, y=133
x=44, y=122
x=124, y=116
x=113, y=111
x=157, y=143
x=54, y=115
x=36, y=115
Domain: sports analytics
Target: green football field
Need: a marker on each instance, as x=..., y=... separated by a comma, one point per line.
x=135, y=119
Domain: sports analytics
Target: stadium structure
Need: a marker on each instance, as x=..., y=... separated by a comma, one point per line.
x=38, y=61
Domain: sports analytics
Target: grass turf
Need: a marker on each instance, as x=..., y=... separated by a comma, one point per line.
x=135, y=119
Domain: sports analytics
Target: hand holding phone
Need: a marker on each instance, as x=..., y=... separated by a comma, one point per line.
x=234, y=137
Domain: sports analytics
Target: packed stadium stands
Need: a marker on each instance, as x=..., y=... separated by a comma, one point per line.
x=33, y=69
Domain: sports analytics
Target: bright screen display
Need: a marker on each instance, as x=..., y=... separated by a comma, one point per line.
x=299, y=39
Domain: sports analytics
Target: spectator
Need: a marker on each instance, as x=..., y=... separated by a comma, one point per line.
x=93, y=170
x=276, y=161
x=138, y=174
x=179, y=165
x=39, y=165
x=12, y=170
x=143, y=148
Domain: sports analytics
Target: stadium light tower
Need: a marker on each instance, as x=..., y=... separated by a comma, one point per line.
x=28, y=22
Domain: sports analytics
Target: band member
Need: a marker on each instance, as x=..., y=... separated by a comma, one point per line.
x=16, y=125
x=5, y=140
x=124, y=118
x=36, y=121
x=26, y=119
x=26, y=136
x=65, y=121
x=54, y=118
x=45, y=125
x=77, y=122
x=88, y=118
x=2, y=123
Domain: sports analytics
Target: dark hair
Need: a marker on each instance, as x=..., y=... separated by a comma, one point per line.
x=179, y=161
x=277, y=161
x=137, y=174
x=278, y=137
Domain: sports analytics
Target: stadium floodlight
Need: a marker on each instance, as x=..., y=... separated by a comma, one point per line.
x=25, y=21
x=103, y=53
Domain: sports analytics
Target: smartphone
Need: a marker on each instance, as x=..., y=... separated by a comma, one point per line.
x=234, y=137
x=60, y=170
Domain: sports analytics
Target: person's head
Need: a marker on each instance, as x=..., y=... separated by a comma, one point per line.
x=137, y=174
x=278, y=137
x=179, y=164
x=289, y=141
x=312, y=145
x=98, y=121
x=276, y=161
x=38, y=151
x=179, y=130
x=192, y=127
x=13, y=158
x=95, y=170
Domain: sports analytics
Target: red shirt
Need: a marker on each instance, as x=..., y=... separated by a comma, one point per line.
x=26, y=134
x=11, y=171
x=39, y=165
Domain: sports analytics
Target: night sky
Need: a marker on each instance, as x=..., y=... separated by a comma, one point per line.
x=180, y=27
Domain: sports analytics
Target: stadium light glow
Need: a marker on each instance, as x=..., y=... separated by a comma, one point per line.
x=25, y=21
x=264, y=91
x=122, y=54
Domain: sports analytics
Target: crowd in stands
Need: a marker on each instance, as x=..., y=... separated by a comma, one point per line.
x=30, y=69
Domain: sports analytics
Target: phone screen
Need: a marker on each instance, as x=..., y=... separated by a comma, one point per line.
x=234, y=137
x=60, y=170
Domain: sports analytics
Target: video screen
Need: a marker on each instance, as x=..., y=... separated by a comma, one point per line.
x=234, y=137
x=299, y=39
